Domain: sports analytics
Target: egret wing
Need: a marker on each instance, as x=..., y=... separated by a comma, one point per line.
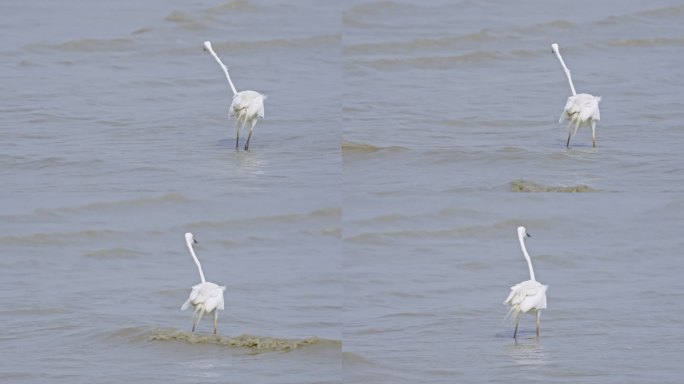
x=214, y=301
x=192, y=299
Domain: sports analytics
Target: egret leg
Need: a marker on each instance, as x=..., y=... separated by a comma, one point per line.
x=567, y=145
x=215, y=320
x=517, y=320
x=251, y=128
x=199, y=317
x=244, y=121
x=237, y=129
x=593, y=133
x=538, y=315
x=194, y=317
x=577, y=124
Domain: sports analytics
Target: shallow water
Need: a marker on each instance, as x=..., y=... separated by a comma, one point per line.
x=452, y=140
x=369, y=233
x=116, y=141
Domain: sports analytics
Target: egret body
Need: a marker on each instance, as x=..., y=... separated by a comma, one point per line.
x=205, y=297
x=247, y=106
x=581, y=109
x=528, y=296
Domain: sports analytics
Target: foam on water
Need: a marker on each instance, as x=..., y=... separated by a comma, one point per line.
x=57, y=238
x=86, y=45
x=531, y=186
x=350, y=147
x=113, y=253
x=257, y=344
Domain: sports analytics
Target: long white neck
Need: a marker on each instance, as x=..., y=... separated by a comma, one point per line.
x=567, y=71
x=199, y=266
x=527, y=256
x=225, y=69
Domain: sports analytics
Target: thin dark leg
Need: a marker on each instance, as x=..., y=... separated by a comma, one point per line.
x=237, y=129
x=251, y=128
x=515, y=333
x=248, y=137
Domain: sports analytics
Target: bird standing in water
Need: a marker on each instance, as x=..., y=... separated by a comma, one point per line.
x=247, y=106
x=528, y=296
x=205, y=297
x=581, y=109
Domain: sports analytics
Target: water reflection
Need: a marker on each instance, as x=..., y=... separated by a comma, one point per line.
x=250, y=163
x=526, y=351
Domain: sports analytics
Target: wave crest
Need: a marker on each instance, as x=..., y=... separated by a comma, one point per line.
x=87, y=45
x=257, y=344
x=531, y=186
x=354, y=147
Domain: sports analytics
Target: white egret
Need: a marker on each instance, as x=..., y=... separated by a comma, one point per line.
x=581, y=109
x=247, y=106
x=528, y=296
x=205, y=297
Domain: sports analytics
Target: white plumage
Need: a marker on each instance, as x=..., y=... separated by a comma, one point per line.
x=528, y=296
x=247, y=106
x=581, y=109
x=249, y=103
x=205, y=297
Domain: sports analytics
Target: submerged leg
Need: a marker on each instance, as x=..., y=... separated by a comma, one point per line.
x=593, y=133
x=251, y=128
x=199, y=317
x=567, y=144
x=215, y=320
x=538, y=314
x=244, y=122
x=577, y=124
x=194, y=317
x=517, y=320
x=237, y=129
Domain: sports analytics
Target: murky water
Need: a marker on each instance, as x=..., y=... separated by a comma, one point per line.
x=451, y=140
x=116, y=141
x=369, y=233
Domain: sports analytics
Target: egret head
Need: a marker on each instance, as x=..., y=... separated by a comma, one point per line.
x=207, y=45
x=554, y=47
x=522, y=232
x=189, y=238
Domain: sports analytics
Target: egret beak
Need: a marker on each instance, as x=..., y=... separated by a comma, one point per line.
x=528, y=235
x=195, y=241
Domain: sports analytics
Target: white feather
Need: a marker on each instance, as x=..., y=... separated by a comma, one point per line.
x=247, y=106
x=582, y=109
x=205, y=297
x=528, y=296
